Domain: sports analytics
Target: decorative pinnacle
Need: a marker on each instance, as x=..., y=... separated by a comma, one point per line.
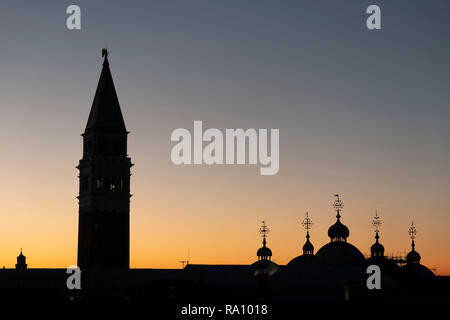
x=412, y=231
x=264, y=230
x=338, y=205
x=376, y=222
x=307, y=222
x=105, y=55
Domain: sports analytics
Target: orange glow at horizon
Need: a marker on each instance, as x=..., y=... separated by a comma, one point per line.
x=207, y=223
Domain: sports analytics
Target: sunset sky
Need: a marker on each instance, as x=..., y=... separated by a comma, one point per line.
x=362, y=113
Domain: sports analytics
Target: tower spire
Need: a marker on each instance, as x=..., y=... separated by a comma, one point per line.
x=105, y=115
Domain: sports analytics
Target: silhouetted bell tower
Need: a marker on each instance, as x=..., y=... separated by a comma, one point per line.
x=104, y=200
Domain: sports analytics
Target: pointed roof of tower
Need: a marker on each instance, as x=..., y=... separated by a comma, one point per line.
x=105, y=112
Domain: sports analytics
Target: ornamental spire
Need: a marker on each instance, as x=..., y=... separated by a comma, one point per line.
x=264, y=231
x=307, y=223
x=338, y=205
x=264, y=253
x=338, y=231
x=376, y=222
x=412, y=234
x=376, y=250
x=413, y=256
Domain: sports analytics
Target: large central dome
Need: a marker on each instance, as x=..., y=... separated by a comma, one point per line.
x=339, y=253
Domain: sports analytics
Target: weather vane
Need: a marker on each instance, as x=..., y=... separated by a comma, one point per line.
x=264, y=230
x=412, y=231
x=338, y=205
x=307, y=222
x=376, y=222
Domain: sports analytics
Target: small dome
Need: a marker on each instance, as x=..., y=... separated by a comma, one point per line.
x=264, y=252
x=377, y=249
x=338, y=232
x=413, y=257
x=308, y=248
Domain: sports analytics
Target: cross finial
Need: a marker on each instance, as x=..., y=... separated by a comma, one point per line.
x=376, y=222
x=264, y=230
x=338, y=205
x=412, y=231
x=307, y=222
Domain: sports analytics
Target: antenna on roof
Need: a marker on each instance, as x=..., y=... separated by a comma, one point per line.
x=185, y=262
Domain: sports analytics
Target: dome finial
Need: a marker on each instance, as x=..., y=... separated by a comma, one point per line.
x=412, y=234
x=413, y=256
x=264, y=231
x=338, y=205
x=307, y=223
x=376, y=222
x=412, y=231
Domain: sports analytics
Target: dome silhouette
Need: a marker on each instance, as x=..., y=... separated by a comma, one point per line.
x=308, y=248
x=377, y=249
x=303, y=260
x=339, y=253
x=416, y=270
x=413, y=257
x=338, y=232
x=264, y=252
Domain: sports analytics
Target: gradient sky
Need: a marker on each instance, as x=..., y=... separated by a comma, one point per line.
x=361, y=113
